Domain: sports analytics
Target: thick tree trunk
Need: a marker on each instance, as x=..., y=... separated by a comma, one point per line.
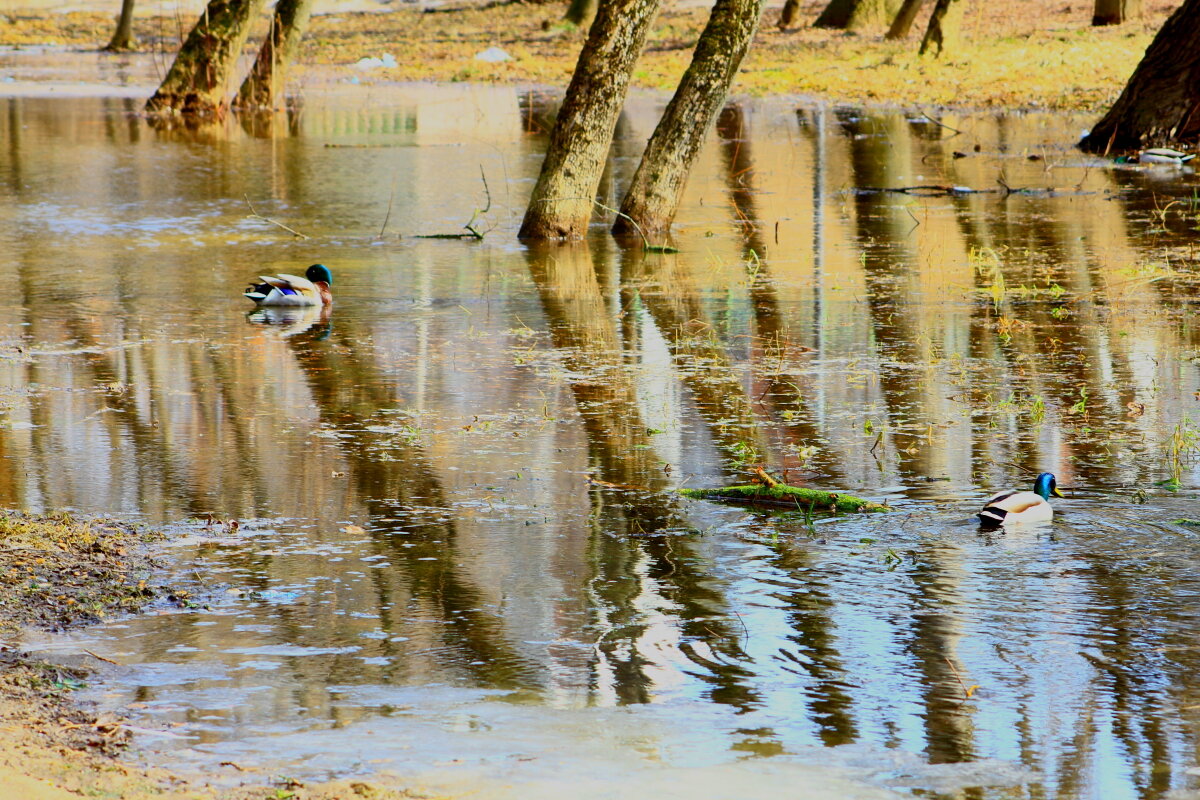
x=788, y=15
x=561, y=204
x=1160, y=103
x=654, y=193
x=198, y=81
x=581, y=12
x=122, y=38
x=905, y=17
x=945, y=24
x=857, y=15
x=1114, y=12
x=263, y=86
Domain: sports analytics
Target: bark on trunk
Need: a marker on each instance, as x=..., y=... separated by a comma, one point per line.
x=198, y=81
x=788, y=15
x=122, y=38
x=263, y=86
x=905, y=17
x=1159, y=105
x=857, y=15
x=561, y=204
x=945, y=23
x=653, y=196
x=581, y=12
x=1114, y=12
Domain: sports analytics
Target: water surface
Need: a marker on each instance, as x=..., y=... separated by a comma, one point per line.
x=458, y=558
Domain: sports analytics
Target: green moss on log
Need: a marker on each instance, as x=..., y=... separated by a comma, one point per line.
x=781, y=496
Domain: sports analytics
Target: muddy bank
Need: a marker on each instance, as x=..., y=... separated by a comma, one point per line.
x=60, y=573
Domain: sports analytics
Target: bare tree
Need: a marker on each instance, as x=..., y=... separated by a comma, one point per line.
x=904, y=19
x=1114, y=12
x=945, y=26
x=654, y=193
x=198, y=81
x=122, y=38
x=1160, y=104
x=263, y=85
x=856, y=15
x=561, y=204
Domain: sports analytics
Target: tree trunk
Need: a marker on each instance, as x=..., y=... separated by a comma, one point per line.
x=788, y=15
x=945, y=23
x=198, y=81
x=904, y=19
x=1114, y=12
x=263, y=85
x=561, y=204
x=581, y=12
x=857, y=15
x=122, y=38
x=654, y=193
x=1160, y=103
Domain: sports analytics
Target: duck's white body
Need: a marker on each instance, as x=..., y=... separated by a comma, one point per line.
x=287, y=290
x=1164, y=155
x=1016, y=508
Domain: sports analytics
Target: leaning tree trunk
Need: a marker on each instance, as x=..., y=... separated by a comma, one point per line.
x=561, y=204
x=788, y=15
x=857, y=15
x=198, y=81
x=263, y=85
x=1114, y=12
x=654, y=193
x=945, y=25
x=122, y=38
x=904, y=20
x=1160, y=103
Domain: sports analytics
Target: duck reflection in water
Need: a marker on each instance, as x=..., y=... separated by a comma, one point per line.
x=293, y=320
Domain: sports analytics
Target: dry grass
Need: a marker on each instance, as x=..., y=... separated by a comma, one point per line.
x=1017, y=53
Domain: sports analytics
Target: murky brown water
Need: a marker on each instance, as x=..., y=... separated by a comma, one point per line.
x=424, y=581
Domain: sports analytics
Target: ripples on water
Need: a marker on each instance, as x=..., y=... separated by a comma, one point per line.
x=424, y=581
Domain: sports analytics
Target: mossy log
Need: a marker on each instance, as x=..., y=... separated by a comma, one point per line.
x=782, y=496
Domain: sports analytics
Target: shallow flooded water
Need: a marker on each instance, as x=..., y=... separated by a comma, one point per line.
x=458, y=557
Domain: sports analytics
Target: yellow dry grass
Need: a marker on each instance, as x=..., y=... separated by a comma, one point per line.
x=1015, y=53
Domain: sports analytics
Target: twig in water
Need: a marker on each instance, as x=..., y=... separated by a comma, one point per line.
x=935, y=121
x=646, y=246
x=101, y=658
x=256, y=215
x=388, y=215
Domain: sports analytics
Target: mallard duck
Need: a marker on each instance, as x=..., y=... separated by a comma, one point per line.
x=1015, y=507
x=1164, y=155
x=290, y=290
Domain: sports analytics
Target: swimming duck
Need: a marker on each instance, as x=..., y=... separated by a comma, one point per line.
x=1164, y=155
x=1013, y=507
x=291, y=290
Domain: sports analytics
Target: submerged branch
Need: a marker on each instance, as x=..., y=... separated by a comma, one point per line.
x=784, y=496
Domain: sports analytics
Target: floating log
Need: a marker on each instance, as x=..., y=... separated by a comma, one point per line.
x=784, y=496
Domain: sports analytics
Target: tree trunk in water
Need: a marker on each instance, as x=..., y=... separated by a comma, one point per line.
x=122, y=38
x=942, y=35
x=266, y=79
x=561, y=204
x=788, y=15
x=198, y=81
x=1114, y=12
x=654, y=193
x=1159, y=105
x=857, y=15
x=581, y=12
x=904, y=19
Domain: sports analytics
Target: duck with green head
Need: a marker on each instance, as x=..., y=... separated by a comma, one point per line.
x=291, y=290
x=1015, y=507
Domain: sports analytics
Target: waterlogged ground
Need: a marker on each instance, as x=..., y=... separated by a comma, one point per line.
x=424, y=582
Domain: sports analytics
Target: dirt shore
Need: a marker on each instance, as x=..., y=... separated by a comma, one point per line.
x=1015, y=54
x=60, y=573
